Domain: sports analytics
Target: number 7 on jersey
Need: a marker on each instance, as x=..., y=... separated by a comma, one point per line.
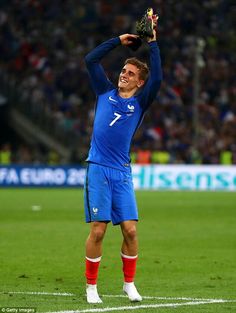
x=115, y=119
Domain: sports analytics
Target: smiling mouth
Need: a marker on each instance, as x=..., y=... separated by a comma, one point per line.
x=124, y=81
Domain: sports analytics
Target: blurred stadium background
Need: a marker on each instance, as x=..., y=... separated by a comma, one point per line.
x=46, y=104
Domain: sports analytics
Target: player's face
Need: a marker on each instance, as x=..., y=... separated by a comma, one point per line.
x=129, y=78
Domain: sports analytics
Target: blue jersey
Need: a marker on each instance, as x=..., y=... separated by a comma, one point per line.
x=116, y=118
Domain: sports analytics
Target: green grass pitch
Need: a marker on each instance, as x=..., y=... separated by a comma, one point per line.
x=187, y=249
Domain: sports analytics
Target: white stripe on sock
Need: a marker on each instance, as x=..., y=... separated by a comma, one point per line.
x=128, y=256
x=94, y=260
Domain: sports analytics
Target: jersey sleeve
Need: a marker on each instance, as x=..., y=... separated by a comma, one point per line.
x=151, y=87
x=99, y=80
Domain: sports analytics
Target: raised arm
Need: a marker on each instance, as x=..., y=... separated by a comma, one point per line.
x=149, y=91
x=100, y=81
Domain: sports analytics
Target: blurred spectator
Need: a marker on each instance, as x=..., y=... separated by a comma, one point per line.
x=53, y=158
x=160, y=157
x=23, y=155
x=5, y=154
x=143, y=157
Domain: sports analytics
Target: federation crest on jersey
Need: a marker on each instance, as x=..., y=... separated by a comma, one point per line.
x=131, y=108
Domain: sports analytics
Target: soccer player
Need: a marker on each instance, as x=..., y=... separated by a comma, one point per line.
x=109, y=194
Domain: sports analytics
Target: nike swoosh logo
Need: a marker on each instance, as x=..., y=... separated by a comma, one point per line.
x=110, y=98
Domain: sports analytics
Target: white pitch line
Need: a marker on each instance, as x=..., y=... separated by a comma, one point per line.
x=191, y=301
x=164, y=298
x=139, y=307
x=66, y=294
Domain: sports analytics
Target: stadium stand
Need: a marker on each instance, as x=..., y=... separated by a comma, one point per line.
x=46, y=87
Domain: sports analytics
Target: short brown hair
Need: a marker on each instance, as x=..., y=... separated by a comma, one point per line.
x=143, y=68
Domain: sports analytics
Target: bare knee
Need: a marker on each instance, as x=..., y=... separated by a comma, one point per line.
x=130, y=233
x=97, y=232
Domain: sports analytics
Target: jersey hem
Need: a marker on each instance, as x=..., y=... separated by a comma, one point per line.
x=125, y=169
